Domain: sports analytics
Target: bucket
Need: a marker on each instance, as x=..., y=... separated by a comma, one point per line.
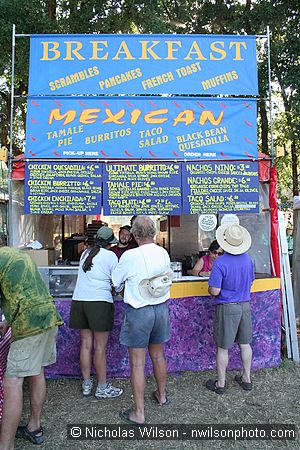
x=177, y=270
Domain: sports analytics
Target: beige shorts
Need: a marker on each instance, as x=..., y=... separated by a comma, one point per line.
x=27, y=356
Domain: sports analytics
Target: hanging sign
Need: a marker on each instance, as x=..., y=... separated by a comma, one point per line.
x=220, y=187
x=139, y=127
x=63, y=188
x=207, y=222
x=142, y=189
x=142, y=64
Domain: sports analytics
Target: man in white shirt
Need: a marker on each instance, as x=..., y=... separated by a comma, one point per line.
x=146, y=322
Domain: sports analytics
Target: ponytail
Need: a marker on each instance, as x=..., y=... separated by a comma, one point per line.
x=88, y=263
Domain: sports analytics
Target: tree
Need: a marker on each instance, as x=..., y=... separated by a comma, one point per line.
x=166, y=16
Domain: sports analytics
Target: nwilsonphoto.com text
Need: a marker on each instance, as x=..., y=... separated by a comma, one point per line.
x=182, y=432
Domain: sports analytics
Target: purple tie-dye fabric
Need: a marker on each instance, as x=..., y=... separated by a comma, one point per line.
x=191, y=346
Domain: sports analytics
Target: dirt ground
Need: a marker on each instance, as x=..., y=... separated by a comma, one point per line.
x=275, y=398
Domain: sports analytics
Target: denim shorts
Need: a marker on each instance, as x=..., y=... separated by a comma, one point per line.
x=233, y=323
x=146, y=325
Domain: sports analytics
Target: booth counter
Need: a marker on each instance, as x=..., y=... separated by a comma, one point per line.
x=192, y=310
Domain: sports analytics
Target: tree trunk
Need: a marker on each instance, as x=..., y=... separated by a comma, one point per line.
x=5, y=120
x=264, y=127
x=52, y=9
x=295, y=168
x=287, y=109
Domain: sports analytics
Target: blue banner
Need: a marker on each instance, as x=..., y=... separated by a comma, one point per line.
x=142, y=64
x=142, y=189
x=62, y=188
x=220, y=187
x=139, y=127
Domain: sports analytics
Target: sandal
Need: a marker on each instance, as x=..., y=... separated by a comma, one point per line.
x=155, y=398
x=31, y=436
x=124, y=415
x=244, y=385
x=212, y=386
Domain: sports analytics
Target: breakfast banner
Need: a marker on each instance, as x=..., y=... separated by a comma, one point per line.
x=142, y=64
x=141, y=128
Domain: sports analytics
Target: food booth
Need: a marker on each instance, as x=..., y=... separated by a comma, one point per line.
x=188, y=160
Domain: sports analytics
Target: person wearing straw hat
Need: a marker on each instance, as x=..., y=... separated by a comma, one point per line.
x=230, y=283
x=147, y=276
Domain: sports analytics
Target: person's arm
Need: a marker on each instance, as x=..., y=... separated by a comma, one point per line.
x=116, y=289
x=120, y=273
x=215, y=280
x=197, y=269
x=214, y=291
x=3, y=327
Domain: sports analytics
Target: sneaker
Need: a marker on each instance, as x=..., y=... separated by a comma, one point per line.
x=87, y=386
x=109, y=392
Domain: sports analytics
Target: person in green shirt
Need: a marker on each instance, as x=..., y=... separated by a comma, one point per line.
x=30, y=312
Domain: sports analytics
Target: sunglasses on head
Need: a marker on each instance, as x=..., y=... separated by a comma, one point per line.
x=218, y=253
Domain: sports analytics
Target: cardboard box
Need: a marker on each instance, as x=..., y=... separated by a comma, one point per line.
x=43, y=257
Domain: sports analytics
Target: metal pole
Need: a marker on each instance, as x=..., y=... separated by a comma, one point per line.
x=270, y=94
x=10, y=157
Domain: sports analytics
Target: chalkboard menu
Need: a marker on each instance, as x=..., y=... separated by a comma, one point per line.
x=145, y=189
x=63, y=188
x=220, y=187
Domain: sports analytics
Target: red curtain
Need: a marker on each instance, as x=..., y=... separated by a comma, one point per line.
x=275, y=263
x=18, y=169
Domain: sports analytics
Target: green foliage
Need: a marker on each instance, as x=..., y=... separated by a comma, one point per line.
x=168, y=16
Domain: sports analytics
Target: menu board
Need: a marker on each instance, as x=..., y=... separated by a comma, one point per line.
x=142, y=189
x=62, y=188
x=230, y=187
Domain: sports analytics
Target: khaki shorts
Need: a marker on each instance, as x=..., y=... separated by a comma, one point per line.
x=27, y=356
x=233, y=323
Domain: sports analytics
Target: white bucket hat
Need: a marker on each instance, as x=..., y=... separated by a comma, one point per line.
x=234, y=239
x=156, y=287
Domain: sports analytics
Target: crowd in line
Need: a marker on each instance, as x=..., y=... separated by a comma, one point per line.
x=139, y=270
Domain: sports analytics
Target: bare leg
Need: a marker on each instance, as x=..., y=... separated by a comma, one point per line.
x=86, y=353
x=156, y=352
x=100, y=342
x=246, y=355
x=37, y=387
x=137, y=358
x=222, y=363
x=12, y=411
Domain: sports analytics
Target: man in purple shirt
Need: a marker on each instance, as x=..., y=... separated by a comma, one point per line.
x=230, y=283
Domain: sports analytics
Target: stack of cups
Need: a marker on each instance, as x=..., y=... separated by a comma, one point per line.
x=177, y=270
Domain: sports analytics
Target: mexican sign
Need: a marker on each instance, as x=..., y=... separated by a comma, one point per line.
x=142, y=64
x=220, y=187
x=62, y=188
x=141, y=127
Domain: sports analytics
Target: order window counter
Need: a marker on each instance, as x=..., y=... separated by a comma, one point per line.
x=192, y=310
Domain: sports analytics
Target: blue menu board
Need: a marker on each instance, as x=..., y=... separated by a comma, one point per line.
x=142, y=189
x=220, y=187
x=63, y=188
